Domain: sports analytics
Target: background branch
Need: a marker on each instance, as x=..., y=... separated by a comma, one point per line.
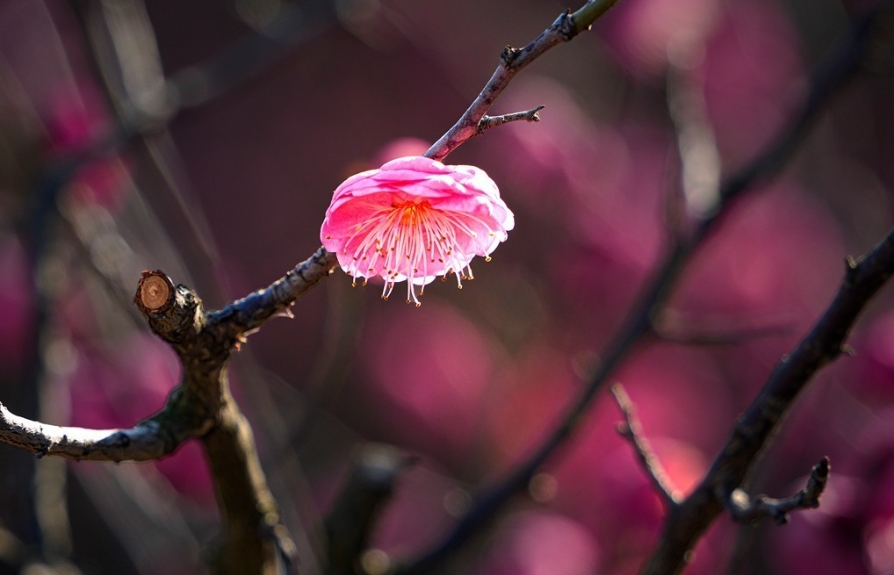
x=631, y=429
x=756, y=426
x=751, y=510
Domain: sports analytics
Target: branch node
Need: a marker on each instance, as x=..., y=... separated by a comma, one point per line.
x=565, y=26
x=509, y=55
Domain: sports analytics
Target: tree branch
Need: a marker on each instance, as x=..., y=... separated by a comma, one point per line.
x=149, y=440
x=512, y=60
x=631, y=430
x=820, y=347
x=488, y=122
x=251, y=312
x=349, y=524
x=747, y=510
x=201, y=406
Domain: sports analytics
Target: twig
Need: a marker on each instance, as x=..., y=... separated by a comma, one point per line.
x=488, y=122
x=747, y=510
x=249, y=313
x=631, y=430
x=512, y=61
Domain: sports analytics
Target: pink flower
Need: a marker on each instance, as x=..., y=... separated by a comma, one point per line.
x=415, y=219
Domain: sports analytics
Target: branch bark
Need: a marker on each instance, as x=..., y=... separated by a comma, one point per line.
x=202, y=407
x=824, y=343
x=513, y=60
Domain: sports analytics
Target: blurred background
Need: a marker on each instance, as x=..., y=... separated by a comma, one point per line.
x=205, y=138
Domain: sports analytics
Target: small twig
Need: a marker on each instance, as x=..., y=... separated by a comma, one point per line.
x=747, y=510
x=358, y=506
x=249, y=313
x=488, y=122
x=631, y=430
x=512, y=61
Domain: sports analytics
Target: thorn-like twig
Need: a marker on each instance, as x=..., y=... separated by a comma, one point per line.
x=747, y=510
x=488, y=122
x=631, y=430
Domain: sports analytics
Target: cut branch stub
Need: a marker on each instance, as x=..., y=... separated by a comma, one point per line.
x=175, y=313
x=155, y=292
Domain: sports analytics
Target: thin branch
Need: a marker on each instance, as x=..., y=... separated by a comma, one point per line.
x=251, y=312
x=631, y=430
x=512, y=61
x=747, y=510
x=488, y=122
x=349, y=525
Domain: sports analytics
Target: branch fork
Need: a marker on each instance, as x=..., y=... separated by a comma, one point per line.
x=745, y=509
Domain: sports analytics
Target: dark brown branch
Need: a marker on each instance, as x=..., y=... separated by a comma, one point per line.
x=488, y=122
x=349, y=524
x=249, y=313
x=150, y=440
x=821, y=346
x=631, y=430
x=512, y=61
x=747, y=510
x=202, y=406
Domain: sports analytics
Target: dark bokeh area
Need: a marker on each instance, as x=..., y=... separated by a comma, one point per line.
x=221, y=179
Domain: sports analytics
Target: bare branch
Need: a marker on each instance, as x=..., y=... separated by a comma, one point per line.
x=821, y=346
x=250, y=313
x=512, y=61
x=488, y=122
x=631, y=430
x=349, y=524
x=149, y=440
x=747, y=510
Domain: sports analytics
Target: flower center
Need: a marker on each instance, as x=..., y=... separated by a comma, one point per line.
x=410, y=240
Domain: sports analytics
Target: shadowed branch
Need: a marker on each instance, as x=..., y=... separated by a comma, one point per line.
x=751, y=510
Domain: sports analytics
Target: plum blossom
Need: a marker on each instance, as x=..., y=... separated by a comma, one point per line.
x=415, y=219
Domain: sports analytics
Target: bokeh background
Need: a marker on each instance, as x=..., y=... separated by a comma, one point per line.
x=221, y=177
